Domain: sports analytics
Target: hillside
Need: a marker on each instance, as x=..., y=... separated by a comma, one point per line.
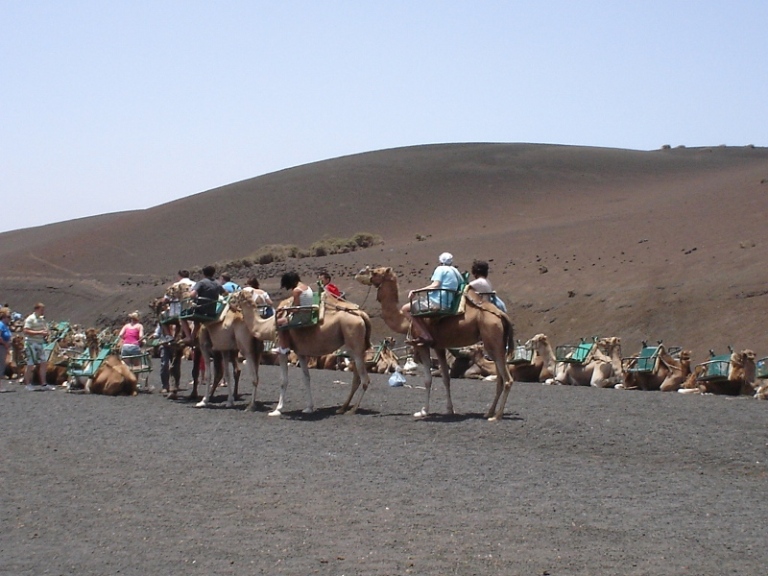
x=666, y=244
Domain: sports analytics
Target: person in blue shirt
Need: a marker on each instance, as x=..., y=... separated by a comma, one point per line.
x=445, y=277
x=5, y=337
x=226, y=282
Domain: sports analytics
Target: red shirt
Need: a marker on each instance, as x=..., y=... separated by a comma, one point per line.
x=332, y=289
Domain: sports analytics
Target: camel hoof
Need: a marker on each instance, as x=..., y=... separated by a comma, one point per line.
x=494, y=418
x=420, y=414
x=202, y=404
x=309, y=410
x=230, y=404
x=275, y=413
x=250, y=408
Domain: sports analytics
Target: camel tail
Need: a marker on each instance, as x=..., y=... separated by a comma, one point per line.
x=367, y=320
x=509, y=331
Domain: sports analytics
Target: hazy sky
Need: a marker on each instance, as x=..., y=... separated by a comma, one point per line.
x=111, y=105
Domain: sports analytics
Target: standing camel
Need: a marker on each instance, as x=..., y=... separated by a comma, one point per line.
x=227, y=336
x=480, y=322
x=343, y=325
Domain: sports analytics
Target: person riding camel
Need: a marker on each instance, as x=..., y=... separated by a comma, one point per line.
x=445, y=277
x=301, y=296
x=205, y=295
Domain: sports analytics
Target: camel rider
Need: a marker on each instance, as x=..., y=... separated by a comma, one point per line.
x=301, y=295
x=174, y=295
x=445, y=277
x=206, y=294
x=328, y=286
x=226, y=282
x=483, y=286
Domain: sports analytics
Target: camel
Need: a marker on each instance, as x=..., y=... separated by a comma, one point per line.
x=479, y=322
x=601, y=368
x=381, y=359
x=654, y=368
x=678, y=371
x=113, y=378
x=741, y=376
x=542, y=364
x=227, y=336
x=481, y=367
x=343, y=326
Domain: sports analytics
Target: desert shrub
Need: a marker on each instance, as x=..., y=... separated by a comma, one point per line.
x=271, y=253
x=328, y=246
x=275, y=253
x=366, y=240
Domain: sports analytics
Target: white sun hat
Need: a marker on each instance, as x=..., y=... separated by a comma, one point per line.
x=446, y=258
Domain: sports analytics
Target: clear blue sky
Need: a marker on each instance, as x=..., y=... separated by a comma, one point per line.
x=110, y=105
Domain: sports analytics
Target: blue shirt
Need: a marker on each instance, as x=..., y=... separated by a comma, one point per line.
x=5, y=332
x=449, y=278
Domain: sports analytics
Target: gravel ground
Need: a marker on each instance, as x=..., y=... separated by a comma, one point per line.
x=574, y=481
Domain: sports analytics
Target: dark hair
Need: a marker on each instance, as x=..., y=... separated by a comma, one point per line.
x=184, y=273
x=480, y=268
x=253, y=282
x=324, y=274
x=226, y=277
x=290, y=280
x=209, y=271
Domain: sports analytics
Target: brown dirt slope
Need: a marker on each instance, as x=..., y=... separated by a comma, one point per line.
x=665, y=244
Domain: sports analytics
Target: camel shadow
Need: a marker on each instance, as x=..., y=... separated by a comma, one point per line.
x=324, y=413
x=447, y=418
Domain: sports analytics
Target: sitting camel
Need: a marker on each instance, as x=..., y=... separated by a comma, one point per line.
x=479, y=322
x=381, y=359
x=741, y=378
x=665, y=372
x=601, y=368
x=113, y=378
x=542, y=364
x=343, y=326
x=679, y=370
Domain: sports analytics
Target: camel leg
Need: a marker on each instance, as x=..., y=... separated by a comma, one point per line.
x=503, y=386
x=304, y=363
x=210, y=381
x=445, y=373
x=360, y=375
x=254, y=364
x=236, y=373
x=229, y=375
x=283, y=360
x=355, y=385
x=423, y=354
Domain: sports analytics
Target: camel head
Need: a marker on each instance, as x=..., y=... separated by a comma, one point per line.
x=746, y=365
x=158, y=305
x=375, y=276
x=537, y=341
x=608, y=345
x=177, y=291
